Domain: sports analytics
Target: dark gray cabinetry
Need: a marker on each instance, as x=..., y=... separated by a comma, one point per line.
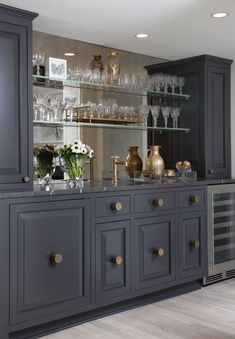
x=154, y=251
x=112, y=259
x=206, y=113
x=16, y=99
x=49, y=258
x=192, y=238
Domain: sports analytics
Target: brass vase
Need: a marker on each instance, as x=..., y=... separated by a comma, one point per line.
x=113, y=68
x=96, y=63
x=133, y=163
x=155, y=164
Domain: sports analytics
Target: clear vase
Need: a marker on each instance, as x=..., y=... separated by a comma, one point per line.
x=73, y=167
x=44, y=167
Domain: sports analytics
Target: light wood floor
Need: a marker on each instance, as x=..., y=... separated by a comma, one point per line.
x=207, y=314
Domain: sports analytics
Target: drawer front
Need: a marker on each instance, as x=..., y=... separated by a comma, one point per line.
x=192, y=198
x=152, y=202
x=154, y=251
x=192, y=251
x=50, y=258
x=112, y=259
x=112, y=206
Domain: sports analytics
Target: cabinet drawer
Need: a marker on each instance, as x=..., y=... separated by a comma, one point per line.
x=192, y=198
x=50, y=258
x=156, y=201
x=112, y=205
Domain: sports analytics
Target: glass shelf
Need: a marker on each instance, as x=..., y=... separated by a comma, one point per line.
x=60, y=83
x=106, y=125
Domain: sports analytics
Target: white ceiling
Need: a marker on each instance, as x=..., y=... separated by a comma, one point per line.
x=177, y=28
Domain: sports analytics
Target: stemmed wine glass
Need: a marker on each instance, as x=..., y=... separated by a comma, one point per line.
x=175, y=113
x=181, y=82
x=38, y=59
x=144, y=112
x=155, y=113
x=166, y=113
x=70, y=103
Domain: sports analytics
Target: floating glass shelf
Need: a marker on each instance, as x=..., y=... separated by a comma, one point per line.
x=60, y=83
x=107, y=125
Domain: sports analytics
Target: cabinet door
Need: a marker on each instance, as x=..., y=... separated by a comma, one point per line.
x=192, y=244
x=15, y=168
x=49, y=258
x=218, y=150
x=112, y=259
x=154, y=251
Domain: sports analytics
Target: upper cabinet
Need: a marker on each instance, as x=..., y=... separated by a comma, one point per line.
x=207, y=114
x=15, y=98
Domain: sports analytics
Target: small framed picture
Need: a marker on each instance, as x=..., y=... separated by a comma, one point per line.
x=57, y=68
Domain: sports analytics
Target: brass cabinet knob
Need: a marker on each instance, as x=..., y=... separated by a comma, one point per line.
x=195, y=198
x=159, y=251
x=116, y=206
x=117, y=260
x=195, y=243
x=56, y=258
x=158, y=202
x=25, y=179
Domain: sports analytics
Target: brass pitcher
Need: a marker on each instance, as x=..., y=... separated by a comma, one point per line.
x=154, y=164
x=133, y=163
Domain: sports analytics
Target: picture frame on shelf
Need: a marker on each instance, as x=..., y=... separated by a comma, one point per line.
x=57, y=68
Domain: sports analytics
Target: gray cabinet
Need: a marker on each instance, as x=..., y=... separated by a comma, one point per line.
x=49, y=258
x=154, y=251
x=112, y=259
x=192, y=244
x=16, y=99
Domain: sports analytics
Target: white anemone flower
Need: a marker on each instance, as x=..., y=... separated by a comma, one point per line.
x=76, y=149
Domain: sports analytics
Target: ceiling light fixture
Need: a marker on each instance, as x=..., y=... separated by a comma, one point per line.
x=69, y=54
x=142, y=35
x=219, y=15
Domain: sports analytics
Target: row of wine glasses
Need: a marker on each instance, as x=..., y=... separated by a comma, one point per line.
x=166, y=83
x=167, y=111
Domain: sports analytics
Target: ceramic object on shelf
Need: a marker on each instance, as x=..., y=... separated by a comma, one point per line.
x=155, y=164
x=96, y=63
x=133, y=163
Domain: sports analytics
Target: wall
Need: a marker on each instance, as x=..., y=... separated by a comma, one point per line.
x=105, y=142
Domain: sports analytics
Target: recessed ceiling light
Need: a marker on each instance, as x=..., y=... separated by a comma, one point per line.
x=142, y=35
x=69, y=54
x=219, y=15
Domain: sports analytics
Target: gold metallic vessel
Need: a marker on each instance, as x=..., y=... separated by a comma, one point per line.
x=155, y=164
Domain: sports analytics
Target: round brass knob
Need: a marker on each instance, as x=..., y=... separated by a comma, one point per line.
x=56, y=258
x=195, y=198
x=26, y=179
x=158, y=202
x=116, y=206
x=159, y=251
x=117, y=260
x=195, y=243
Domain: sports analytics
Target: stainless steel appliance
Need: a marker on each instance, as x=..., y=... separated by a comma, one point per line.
x=221, y=232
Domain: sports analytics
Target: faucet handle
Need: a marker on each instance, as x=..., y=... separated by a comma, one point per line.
x=115, y=158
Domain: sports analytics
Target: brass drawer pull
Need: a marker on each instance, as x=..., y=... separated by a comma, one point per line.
x=195, y=243
x=25, y=179
x=159, y=252
x=116, y=206
x=56, y=258
x=117, y=260
x=195, y=198
x=158, y=202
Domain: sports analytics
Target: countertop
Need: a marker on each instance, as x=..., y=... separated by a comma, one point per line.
x=59, y=187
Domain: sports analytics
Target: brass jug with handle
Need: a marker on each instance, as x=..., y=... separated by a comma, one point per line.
x=154, y=164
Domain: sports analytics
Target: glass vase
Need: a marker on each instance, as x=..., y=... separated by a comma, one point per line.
x=73, y=167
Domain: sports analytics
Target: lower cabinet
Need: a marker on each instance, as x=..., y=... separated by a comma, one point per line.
x=112, y=259
x=192, y=244
x=49, y=258
x=154, y=251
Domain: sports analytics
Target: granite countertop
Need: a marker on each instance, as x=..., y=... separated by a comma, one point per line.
x=59, y=187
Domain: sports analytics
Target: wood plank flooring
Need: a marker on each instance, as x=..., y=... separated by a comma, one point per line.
x=206, y=314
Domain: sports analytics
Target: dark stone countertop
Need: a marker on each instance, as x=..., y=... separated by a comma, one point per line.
x=60, y=188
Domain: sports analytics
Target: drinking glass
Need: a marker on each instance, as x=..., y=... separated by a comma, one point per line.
x=144, y=112
x=155, y=113
x=70, y=103
x=175, y=113
x=166, y=113
x=181, y=82
x=38, y=60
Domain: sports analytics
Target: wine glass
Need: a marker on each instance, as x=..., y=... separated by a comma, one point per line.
x=181, y=82
x=38, y=60
x=155, y=113
x=70, y=103
x=175, y=113
x=166, y=113
x=144, y=112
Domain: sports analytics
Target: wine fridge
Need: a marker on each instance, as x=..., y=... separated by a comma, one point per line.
x=221, y=232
